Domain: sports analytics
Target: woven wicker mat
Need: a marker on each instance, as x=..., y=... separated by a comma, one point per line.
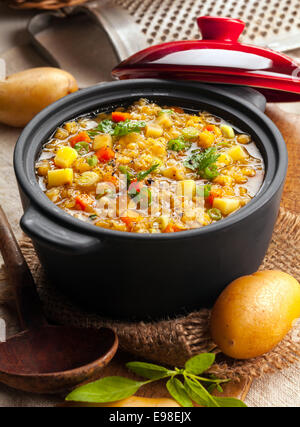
x=172, y=342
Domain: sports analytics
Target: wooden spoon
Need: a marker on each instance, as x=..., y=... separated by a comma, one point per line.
x=46, y=358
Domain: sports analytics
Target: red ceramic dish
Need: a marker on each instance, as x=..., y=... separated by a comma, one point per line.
x=218, y=58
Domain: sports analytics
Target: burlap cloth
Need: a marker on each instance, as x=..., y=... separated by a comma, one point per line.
x=173, y=341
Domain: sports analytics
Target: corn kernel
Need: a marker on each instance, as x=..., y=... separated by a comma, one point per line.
x=248, y=171
x=65, y=157
x=43, y=169
x=61, y=134
x=243, y=191
x=239, y=178
x=133, y=146
x=81, y=165
x=53, y=194
x=224, y=180
x=59, y=177
x=243, y=139
x=71, y=127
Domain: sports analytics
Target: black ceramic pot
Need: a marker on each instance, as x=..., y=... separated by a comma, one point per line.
x=138, y=276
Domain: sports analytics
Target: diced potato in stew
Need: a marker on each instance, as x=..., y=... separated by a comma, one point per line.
x=150, y=169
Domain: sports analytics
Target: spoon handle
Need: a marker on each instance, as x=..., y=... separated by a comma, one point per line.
x=20, y=278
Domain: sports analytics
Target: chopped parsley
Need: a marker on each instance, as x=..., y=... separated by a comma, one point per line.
x=203, y=162
x=117, y=129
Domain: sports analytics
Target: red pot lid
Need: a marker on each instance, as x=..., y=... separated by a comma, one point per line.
x=218, y=58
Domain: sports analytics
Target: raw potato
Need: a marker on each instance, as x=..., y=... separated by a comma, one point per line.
x=24, y=94
x=254, y=313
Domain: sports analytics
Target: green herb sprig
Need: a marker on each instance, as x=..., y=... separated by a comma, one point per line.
x=138, y=177
x=117, y=129
x=204, y=162
x=193, y=385
x=142, y=175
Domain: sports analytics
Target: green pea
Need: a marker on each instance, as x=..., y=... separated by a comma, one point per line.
x=92, y=161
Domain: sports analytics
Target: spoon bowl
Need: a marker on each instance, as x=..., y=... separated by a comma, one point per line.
x=45, y=358
x=52, y=359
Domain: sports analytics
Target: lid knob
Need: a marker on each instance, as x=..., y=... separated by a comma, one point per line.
x=218, y=28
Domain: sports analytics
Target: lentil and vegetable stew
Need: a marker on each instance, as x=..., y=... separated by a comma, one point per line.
x=150, y=169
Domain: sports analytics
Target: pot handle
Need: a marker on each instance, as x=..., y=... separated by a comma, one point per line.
x=40, y=228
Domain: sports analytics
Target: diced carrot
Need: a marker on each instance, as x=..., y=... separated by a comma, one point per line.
x=105, y=154
x=128, y=220
x=177, y=110
x=82, y=136
x=172, y=228
x=118, y=116
x=176, y=228
x=214, y=129
x=210, y=128
x=83, y=201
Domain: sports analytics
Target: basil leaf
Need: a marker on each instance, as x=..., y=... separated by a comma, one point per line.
x=178, y=392
x=200, y=363
x=229, y=402
x=199, y=394
x=108, y=389
x=148, y=370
